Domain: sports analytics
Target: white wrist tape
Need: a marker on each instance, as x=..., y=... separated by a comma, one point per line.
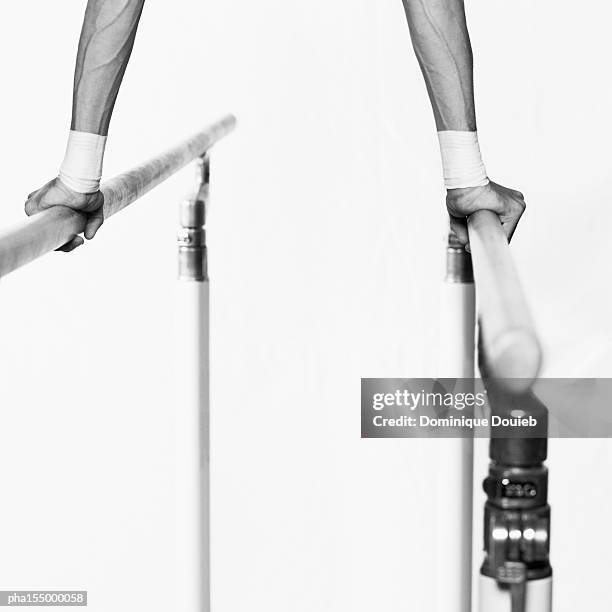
x=81, y=169
x=461, y=160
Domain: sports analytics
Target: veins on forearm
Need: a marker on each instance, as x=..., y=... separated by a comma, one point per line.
x=105, y=47
x=446, y=64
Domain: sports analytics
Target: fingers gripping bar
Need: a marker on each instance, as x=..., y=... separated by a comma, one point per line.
x=35, y=236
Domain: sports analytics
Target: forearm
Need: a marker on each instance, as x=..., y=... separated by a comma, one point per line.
x=442, y=45
x=106, y=42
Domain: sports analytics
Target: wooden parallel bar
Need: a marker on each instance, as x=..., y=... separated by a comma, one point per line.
x=511, y=348
x=35, y=236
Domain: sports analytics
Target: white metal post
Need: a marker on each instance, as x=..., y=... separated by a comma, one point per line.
x=455, y=456
x=192, y=406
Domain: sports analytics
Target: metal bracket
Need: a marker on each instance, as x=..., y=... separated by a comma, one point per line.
x=517, y=528
x=192, y=234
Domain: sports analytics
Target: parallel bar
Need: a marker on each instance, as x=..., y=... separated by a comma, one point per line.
x=511, y=347
x=31, y=238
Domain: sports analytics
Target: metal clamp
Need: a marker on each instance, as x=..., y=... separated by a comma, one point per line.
x=191, y=237
x=517, y=528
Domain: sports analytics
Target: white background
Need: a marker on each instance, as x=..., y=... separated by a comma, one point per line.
x=326, y=250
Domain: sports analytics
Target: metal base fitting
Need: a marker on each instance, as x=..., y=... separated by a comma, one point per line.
x=495, y=597
x=517, y=514
x=192, y=235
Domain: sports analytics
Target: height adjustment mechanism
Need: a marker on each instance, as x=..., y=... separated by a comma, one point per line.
x=517, y=514
x=192, y=234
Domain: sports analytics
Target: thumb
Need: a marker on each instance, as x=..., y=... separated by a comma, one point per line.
x=76, y=242
x=94, y=222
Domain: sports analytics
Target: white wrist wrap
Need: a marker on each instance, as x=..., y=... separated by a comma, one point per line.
x=81, y=169
x=461, y=160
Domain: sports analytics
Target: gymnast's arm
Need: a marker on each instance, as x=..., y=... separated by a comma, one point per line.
x=441, y=42
x=106, y=42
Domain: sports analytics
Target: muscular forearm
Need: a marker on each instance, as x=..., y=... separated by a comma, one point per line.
x=105, y=46
x=442, y=45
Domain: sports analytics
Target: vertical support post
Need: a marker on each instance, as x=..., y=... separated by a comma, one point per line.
x=454, y=484
x=192, y=406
